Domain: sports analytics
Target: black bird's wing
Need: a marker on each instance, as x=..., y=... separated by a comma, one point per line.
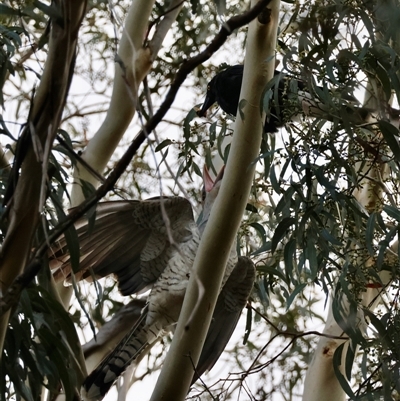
x=230, y=303
x=228, y=85
x=224, y=89
x=128, y=239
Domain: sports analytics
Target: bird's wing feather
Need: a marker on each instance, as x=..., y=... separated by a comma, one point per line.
x=129, y=239
x=230, y=304
x=132, y=346
x=227, y=88
x=114, y=330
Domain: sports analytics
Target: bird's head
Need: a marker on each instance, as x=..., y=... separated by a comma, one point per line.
x=211, y=97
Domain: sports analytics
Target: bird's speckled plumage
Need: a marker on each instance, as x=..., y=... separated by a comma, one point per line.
x=131, y=240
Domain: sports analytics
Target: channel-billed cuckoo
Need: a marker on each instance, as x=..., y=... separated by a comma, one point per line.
x=152, y=244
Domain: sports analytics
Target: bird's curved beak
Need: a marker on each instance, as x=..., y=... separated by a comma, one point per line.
x=208, y=102
x=209, y=183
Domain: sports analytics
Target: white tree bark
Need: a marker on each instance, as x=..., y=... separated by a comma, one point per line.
x=220, y=232
x=133, y=64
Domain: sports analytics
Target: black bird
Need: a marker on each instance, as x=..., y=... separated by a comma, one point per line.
x=288, y=99
x=224, y=89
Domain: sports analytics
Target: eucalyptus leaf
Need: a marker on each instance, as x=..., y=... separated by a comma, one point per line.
x=281, y=231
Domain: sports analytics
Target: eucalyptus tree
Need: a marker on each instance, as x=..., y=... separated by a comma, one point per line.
x=321, y=222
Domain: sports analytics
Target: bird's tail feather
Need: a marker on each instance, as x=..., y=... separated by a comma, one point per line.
x=97, y=384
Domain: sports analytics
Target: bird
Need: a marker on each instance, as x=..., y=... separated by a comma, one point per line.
x=152, y=244
x=288, y=100
x=224, y=88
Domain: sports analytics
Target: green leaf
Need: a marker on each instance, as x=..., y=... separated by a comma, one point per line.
x=221, y=142
x=251, y=208
x=271, y=270
x=226, y=153
x=330, y=238
x=52, y=11
x=70, y=235
x=369, y=233
x=367, y=22
x=280, y=231
x=384, y=244
x=337, y=362
x=312, y=257
x=212, y=132
x=289, y=254
x=350, y=355
x=163, y=144
x=379, y=326
x=321, y=177
x=392, y=211
x=390, y=133
x=88, y=189
x=196, y=169
x=285, y=201
x=260, y=230
x=284, y=169
x=383, y=77
x=274, y=181
x=294, y=294
x=345, y=311
x=186, y=123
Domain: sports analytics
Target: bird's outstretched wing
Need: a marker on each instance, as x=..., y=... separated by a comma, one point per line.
x=230, y=303
x=130, y=239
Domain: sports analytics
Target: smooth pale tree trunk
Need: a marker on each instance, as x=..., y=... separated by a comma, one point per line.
x=134, y=63
x=220, y=232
